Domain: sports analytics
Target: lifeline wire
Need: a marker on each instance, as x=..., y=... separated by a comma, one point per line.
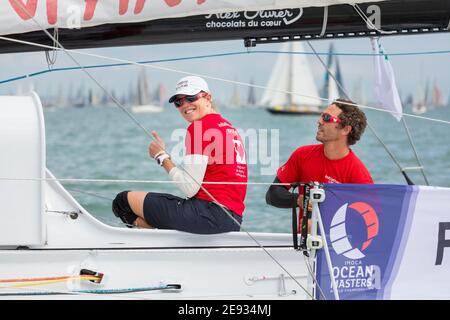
x=313, y=276
x=87, y=292
x=142, y=64
x=131, y=116
x=91, y=194
x=215, y=55
x=30, y=291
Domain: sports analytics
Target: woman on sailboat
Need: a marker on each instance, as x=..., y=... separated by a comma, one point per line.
x=214, y=153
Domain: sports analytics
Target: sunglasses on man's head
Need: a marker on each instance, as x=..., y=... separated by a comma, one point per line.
x=328, y=118
x=192, y=98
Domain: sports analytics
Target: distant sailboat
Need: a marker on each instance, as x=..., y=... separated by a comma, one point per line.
x=56, y=100
x=420, y=102
x=162, y=94
x=143, y=100
x=105, y=100
x=92, y=98
x=235, y=101
x=79, y=100
x=20, y=90
x=331, y=89
x=437, y=100
x=291, y=74
x=409, y=100
x=251, y=98
x=358, y=94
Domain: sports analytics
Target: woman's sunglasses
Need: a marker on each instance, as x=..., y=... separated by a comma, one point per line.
x=179, y=102
x=328, y=118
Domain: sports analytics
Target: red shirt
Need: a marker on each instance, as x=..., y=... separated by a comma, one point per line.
x=216, y=138
x=309, y=164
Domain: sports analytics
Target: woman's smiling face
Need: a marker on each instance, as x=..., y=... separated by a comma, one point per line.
x=196, y=110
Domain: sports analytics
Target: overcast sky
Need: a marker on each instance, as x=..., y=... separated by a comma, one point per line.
x=408, y=69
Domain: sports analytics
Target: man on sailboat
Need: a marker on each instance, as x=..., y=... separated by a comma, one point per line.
x=332, y=161
x=214, y=153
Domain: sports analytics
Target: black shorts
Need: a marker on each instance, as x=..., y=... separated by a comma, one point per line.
x=166, y=211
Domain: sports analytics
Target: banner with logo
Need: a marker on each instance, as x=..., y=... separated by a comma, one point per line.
x=386, y=242
x=18, y=16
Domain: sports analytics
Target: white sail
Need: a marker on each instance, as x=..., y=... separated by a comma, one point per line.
x=358, y=94
x=330, y=88
x=144, y=103
x=419, y=105
x=162, y=94
x=251, y=99
x=437, y=100
x=142, y=93
x=333, y=90
x=291, y=74
x=235, y=101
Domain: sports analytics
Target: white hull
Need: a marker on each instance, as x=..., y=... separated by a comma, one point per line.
x=302, y=110
x=419, y=109
x=224, y=266
x=147, y=109
x=215, y=273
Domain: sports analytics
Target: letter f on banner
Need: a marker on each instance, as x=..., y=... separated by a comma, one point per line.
x=385, y=87
x=442, y=242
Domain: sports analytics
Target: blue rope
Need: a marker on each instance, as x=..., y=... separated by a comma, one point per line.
x=128, y=290
x=217, y=55
x=360, y=54
x=98, y=291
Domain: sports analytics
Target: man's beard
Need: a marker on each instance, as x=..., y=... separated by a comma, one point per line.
x=318, y=138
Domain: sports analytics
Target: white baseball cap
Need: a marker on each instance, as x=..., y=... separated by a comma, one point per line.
x=189, y=86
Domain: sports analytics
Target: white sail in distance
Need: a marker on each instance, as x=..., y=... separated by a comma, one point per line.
x=142, y=92
x=235, y=101
x=420, y=99
x=144, y=102
x=291, y=74
x=333, y=90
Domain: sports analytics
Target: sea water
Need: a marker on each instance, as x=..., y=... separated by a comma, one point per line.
x=104, y=143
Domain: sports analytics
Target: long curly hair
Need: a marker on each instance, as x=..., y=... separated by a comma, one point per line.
x=352, y=116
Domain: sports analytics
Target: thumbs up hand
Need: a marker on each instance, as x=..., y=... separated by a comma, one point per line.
x=156, y=146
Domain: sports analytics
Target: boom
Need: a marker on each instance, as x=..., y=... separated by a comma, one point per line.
x=396, y=17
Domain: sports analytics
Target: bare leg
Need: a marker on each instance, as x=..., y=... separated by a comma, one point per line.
x=136, y=202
